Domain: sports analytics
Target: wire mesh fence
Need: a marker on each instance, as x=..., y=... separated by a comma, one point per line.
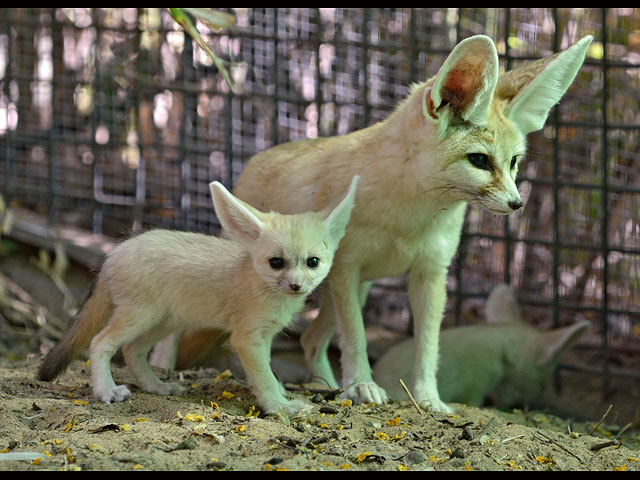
x=111, y=119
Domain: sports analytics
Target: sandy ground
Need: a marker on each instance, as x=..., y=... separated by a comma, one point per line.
x=59, y=426
x=215, y=426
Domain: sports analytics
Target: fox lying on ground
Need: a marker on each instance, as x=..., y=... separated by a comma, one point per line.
x=162, y=282
x=504, y=359
x=457, y=138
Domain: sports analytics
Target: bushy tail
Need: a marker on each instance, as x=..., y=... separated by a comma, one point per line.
x=88, y=322
x=198, y=347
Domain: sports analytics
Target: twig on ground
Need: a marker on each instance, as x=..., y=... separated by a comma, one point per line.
x=624, y=429
x=601, y=420
x=406, y=390
x=560, y=446
x=600, y=446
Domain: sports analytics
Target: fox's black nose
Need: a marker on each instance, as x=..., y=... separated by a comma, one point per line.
x=294, y=286
x=515, y=204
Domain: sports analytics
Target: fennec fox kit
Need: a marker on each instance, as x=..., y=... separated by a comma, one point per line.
x=162, y=282
x=505, y=359
x=457, y=138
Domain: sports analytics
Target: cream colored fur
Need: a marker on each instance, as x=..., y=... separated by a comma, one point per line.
x=504, y=359
x=416, y=180
x=163, y=282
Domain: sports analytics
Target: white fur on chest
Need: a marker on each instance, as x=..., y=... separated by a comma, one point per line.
x=393, y=247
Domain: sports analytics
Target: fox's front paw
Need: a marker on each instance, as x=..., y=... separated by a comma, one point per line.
x=292, y=407
x=435, y=405
x=112, y=394
x=168, y=389
x=365, y=392
x=289, y=407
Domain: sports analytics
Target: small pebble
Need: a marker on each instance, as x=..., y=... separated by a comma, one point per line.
x=413, y=458
x=457, y=453
x=329, y=410
x=467, y=433
x=188, y=443
x=216, y=466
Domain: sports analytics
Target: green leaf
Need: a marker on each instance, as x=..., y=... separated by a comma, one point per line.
x=185, y=22
x=212, y=18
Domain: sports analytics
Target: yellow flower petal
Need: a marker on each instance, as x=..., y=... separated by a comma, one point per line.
x=512, y=464
x=226, y=395
x=192, y=417
x=393, y=422
x=252, y=412
x=362, y=457
x=223, y=376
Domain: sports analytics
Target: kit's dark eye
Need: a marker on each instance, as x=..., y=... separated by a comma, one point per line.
x=276, y=263
x=312, y=262
x=479, y=160
x=513, y=161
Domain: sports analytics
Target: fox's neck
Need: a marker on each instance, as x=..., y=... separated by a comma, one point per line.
x=396, y=143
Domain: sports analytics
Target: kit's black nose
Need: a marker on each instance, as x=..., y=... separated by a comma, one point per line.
x=294, y=286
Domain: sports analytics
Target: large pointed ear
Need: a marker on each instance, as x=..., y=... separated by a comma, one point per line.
x=242, y=222
x=465, y=83
x=533, y=89
x=337, y=219
x=557, y=342
x=502, y=306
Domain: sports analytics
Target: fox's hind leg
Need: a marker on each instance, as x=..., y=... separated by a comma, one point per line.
x=124, y=326
x=103, y=347
x=135, y=354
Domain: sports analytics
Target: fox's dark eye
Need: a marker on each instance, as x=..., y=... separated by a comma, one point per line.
x=513, y=162
x=312, y=262
x=276, y=263
x=479, y=160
